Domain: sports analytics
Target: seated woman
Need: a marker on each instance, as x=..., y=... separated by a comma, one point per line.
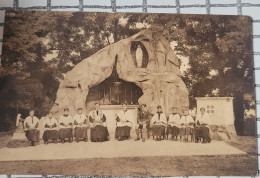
x=187, y=126
x=158, y=124
x=124, y=122
x=65, y=125
x=201, y=129
x=98, y=126
x=80, y=126
x=173, y=128
x=31, y=128
x=50, y=129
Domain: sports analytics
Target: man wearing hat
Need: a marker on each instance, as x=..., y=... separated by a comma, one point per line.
x=187, y=127
x=124, y=123
x=173, y=128
x=80, y=126
x=143, y=123
x=158, y=124
x=65, y=125
x=98, y=125
x=50, y=125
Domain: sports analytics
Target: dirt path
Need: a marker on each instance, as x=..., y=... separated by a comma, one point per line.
x=115, y=149
x=196, y=165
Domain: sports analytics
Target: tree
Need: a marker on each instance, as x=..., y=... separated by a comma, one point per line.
x=41, y=47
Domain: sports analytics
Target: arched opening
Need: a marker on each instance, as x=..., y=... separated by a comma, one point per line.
x=114, y=91
x=145, y=57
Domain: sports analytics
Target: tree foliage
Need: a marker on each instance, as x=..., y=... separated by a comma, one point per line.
x=39, y=48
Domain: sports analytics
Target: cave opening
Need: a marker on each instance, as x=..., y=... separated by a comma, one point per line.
x=114, y=91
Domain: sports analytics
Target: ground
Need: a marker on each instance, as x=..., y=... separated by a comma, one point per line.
x=219, y=165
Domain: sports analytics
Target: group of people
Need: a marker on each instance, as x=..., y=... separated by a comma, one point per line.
x=174, y=126
x=158, y=125
x=68, y=128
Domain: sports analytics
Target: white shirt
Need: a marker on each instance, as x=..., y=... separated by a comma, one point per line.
x=65, y=120
x=80, y=119
x=174, y=120
x=32, y=121
x=203, y=119
x=126, y=118
x=186, y=120
x=97, y=115
x=50, y=122
x=156, y=119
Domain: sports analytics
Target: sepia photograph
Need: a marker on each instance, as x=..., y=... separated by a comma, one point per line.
x=127, y=94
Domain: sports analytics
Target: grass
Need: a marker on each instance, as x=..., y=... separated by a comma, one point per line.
x=232, y=165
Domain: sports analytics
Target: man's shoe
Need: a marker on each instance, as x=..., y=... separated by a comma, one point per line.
x=85, y=140
x=46, y=142
x=77, y=140
x=143, y=139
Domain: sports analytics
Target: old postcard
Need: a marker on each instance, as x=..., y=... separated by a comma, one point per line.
x=127, y=94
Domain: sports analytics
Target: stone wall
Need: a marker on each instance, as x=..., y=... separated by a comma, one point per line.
x=159, y=79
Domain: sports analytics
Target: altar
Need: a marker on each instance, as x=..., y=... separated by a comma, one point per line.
x=110, y=112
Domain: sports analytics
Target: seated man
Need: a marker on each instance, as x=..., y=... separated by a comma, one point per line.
x=80, y=126
x=124, y=122
x=50, y=129
x=31, y=128
x=187, y=127
x=65, y=124
x=158, y=124
x=201, y=129
x=173, y=128
x=98, y=126
x=143, y=123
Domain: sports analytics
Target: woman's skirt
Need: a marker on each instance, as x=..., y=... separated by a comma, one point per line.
x=32, y=135
x=65, y=133
x=99, y=134
x=158, y=130
x=49, y=135
x=81, y=132
x=123, y=132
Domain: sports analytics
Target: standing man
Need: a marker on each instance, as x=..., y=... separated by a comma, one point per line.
x=201, y=129
x=50, y=125
x=124, y=122
x=143, y=123
x=65, y=124
x=173, y=128
x=187, y=127
x=98, y=125
x=158, y=124
x=80, y=126
x=31, y=128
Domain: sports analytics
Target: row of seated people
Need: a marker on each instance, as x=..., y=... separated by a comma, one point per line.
x=68, y=128
x=174, y=126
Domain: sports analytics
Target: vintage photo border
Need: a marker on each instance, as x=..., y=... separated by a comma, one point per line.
x=236, y=7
